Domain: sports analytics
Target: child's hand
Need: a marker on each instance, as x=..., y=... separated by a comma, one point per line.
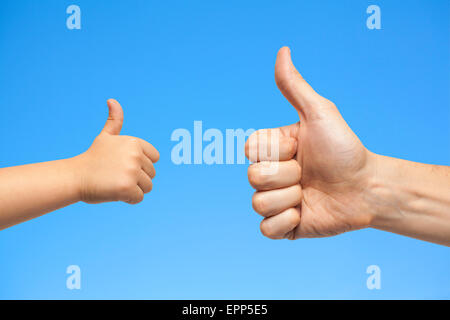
x=115, y=168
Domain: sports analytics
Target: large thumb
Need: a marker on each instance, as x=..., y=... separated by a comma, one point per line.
x=292, y=85
x=115, y=119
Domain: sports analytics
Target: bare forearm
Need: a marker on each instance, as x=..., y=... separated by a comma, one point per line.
x=29, y=191
x=412, y=199
x=114, y=168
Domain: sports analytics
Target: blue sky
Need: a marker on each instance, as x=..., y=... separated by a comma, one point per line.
x=170, y=63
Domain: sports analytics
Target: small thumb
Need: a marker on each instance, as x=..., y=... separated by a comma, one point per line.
x=292, y=85
x=115, y=118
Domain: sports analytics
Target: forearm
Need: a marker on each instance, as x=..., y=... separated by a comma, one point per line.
x=411, y=199
x=29, y=191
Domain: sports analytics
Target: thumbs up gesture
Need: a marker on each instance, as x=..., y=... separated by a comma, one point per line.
x=116, y=168
x=323, y=170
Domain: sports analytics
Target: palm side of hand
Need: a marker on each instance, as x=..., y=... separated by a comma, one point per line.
x=335, y=167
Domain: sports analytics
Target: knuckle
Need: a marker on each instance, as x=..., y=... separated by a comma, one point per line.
x=139, y=198
x=134, y=144
x=259, y=203
x=148, y=188
x=135, y=199
x=133, y=169
x=125, y=186
x=155, y=153
x=266, y=230
x=328, y=103
x=251, y=148
x=294, y=217
x=296, y=169
x=253, y=137
x=247, y=148
x=283, y=83
x=299, y=190
x=292, y=147
x=133, y=141
x=321, y=107
x=135, y=155
x=251, y=173
x=256, y=177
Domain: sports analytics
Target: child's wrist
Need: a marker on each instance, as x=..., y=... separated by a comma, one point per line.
x=73, y=177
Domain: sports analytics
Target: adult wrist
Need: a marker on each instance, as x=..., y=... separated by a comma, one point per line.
x=384, y=192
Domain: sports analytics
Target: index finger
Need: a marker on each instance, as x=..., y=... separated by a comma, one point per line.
x=149, y=150
x=270, y=145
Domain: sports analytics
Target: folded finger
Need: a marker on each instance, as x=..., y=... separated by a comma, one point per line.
x=270, y=145
x=274, y=175
x=149, y=150
x=144, y=182
x=135, y=196
x=278, y=226
x=269, y=203
x=148, y=167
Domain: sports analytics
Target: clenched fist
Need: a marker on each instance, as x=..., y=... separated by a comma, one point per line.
x=323, y=170
x=314, y=178
x=116, y=168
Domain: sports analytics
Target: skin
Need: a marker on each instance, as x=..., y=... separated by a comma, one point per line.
x=114, y=168
x=328, y=183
